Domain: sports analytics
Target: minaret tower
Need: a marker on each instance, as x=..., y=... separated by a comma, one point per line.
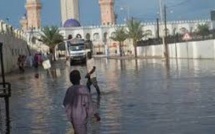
x=33, y=8
x=24, y=23
x=69, y=10
x=107, y=12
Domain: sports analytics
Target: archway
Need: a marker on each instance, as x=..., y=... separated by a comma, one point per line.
x=183, y=30
x=96, y=36
x=87, y=36
x=78, y=36
x=69, y=37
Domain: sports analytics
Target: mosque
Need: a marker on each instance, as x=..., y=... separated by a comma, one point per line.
x=99, y=35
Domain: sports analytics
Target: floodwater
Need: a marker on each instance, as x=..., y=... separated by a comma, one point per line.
x=138, y=97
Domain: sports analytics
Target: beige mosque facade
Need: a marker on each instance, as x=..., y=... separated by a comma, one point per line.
x=99, y=35
x=32, y=19
x=107, y=12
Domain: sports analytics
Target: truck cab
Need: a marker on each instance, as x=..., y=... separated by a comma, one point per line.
x=76, y=50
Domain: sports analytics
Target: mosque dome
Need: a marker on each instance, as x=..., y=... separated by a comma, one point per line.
x=71, y=23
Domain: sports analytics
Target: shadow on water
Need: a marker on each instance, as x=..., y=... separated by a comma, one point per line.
x=136, y=65
x=167, y=66
x=122, y=65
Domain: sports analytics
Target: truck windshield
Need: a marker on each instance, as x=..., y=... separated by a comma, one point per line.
x=76, y=47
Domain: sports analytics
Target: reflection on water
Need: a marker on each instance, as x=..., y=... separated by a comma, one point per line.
x=138, y=97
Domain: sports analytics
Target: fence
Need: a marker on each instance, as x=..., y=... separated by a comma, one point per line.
x=177, y=38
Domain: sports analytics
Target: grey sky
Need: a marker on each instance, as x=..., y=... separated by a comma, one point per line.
x=145, y=10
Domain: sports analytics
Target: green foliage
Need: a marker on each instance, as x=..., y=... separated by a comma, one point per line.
x=51, y=36
x=203, y=29
x=119, y=35
x=135, y=32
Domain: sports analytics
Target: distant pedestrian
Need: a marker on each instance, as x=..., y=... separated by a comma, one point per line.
x=91, y=73
x=78, y=104
x=36, y=60
x=29, y=61
x=20, y=62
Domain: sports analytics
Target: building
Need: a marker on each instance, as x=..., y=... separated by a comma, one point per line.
x=69, y=10
x=100, y=35
x=107, y=12
x=32, y=20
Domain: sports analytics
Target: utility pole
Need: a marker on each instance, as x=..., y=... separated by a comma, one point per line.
x=162, y=23
x=166, y=53
x=158, y=31
x=163, y=20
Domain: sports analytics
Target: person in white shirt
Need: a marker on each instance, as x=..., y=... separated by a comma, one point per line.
x=91, y=73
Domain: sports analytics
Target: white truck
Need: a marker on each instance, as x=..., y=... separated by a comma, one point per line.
x=76, y=50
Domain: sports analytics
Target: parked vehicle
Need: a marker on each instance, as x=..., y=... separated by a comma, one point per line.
x=76, y=50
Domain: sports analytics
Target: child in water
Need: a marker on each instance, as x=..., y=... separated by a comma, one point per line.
x=78, y=104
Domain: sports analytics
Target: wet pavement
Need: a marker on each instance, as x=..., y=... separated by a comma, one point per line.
x=138, y=97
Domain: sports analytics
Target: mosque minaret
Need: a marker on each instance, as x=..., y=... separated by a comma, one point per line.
x=69, y=10
x=107, y=12
x=33, y=8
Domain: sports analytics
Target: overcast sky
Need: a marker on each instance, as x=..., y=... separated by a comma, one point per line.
x=144, y=10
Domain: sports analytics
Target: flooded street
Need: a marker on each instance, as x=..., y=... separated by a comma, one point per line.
x=140, y=97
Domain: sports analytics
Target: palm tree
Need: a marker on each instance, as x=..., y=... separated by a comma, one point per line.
x=120, y=36
x=135, y=32
x=203, y=30
x=51, y=37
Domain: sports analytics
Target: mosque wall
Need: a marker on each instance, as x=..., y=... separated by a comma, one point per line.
x=14, y=43
x=194, y=50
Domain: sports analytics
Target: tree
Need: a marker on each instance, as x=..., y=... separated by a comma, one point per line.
x=120, y=36
x=51, y=37
x=135, y=32
x=203, y=30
